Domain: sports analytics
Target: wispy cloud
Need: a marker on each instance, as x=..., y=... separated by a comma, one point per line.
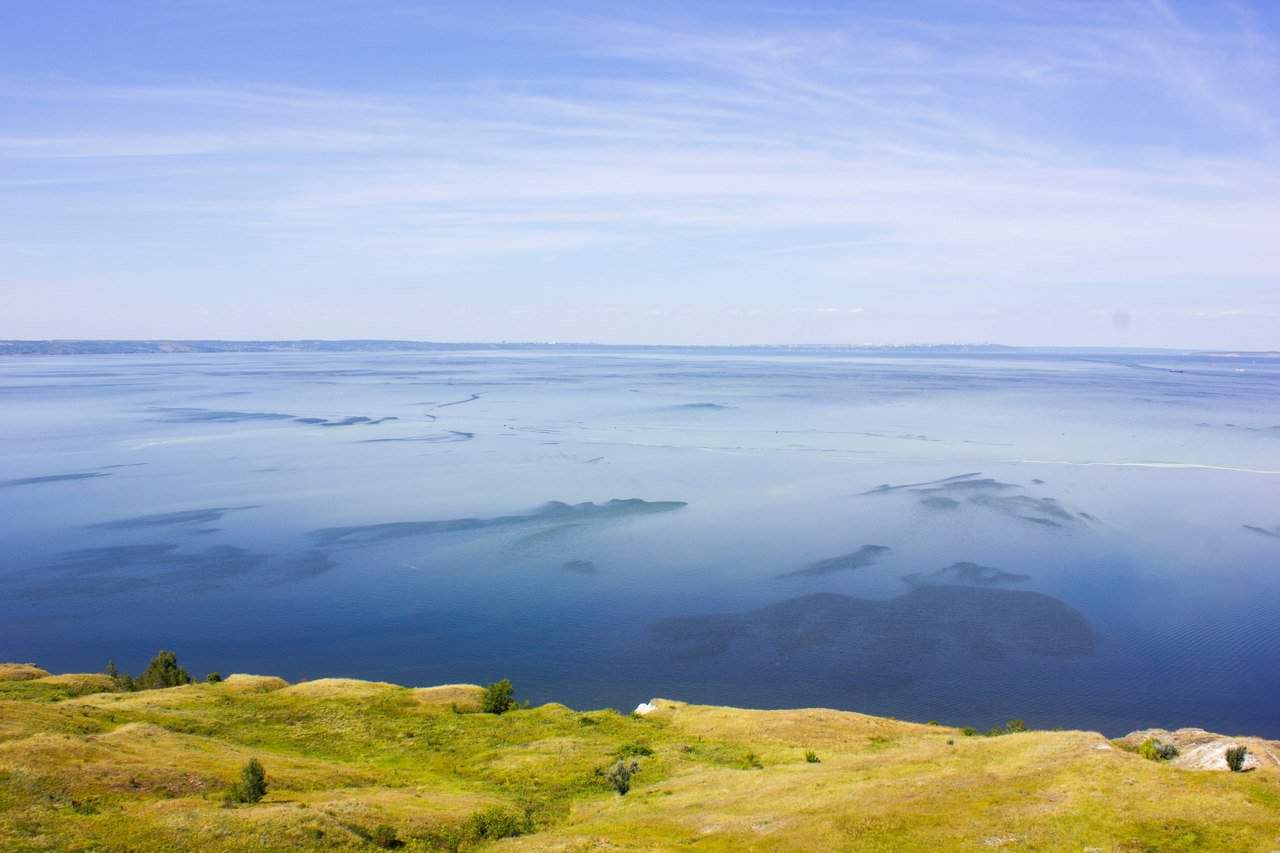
x=1012, y=147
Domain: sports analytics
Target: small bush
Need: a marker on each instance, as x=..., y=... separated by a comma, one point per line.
x=995, y=731
x=933, y=723
x=1235, y=758
x=252, y=786
x=163, y=671
x=751, y=761
x=499, y=698
x=496, y=822
x=633, y=750
x=812, y=757
x=213, y=678
x=968, y=731
x=123, y=680
x=619, y=776
x=587, y=721
x=1153, y=750
x=385, y=837
x=1015, y=726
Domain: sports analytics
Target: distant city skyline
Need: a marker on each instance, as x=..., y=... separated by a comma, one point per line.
x=1048, y=174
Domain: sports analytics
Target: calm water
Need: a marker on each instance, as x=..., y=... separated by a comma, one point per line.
x=1083, y=540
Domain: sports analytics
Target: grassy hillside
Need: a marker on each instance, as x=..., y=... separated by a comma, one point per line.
x=361, y=765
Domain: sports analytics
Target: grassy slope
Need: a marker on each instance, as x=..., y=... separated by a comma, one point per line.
x=82, y=770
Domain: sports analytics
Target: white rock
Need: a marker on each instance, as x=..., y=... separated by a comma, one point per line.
x=646, y=708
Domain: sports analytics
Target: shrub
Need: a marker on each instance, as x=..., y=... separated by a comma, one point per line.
x=1154, y=750
x=933, y=723
x=968, y=731
x=213, y=678
x=163, y=671
x=620, y=774
x=252, y=786
x=1015, y=726
x=1235, y=758
x=633, y=750
x=385, y=837
x=812, y=757
x=751, y=761
x=498, y=698
x=123, y=680
x=495, y=822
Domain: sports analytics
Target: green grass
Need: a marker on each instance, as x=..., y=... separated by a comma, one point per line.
x=147, y=771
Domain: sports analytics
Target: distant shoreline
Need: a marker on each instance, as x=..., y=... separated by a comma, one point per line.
x=175, y=346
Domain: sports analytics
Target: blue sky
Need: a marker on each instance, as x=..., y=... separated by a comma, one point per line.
x=1049, y=173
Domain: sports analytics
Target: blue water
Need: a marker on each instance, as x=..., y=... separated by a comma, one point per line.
x=1080, y=539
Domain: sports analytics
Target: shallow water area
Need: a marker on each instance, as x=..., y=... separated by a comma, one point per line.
x=1076, y=538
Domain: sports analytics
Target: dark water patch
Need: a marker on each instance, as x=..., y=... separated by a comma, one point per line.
x=470, y=399
x=353, y=420
x=892, y=487
x=554, y=512
x=89, y=561
x=579, y=567
x=698, y=407
x=966, y=573
x=165, y=519
x=930, y=621
x=1044, y=511
x=197, y=416
x=547, y=536
x=124, y=465
x=431, y=438
x=51, y=478
x=984, y=484
x=903, y=436
x=864, y=556
x=1273, y=533
x=202, y=531
x=1036, y=481
x=89, y=572
x=939, y=502
x=593, y=460
x=1266, y=430
x=302, y=567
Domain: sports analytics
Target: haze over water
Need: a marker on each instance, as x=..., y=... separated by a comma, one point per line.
x=1077, y=538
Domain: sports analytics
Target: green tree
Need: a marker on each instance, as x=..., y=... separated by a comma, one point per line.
x=163, y=671
x=1235, y=758
x=213, y=678
x=252, y=786
x=498, y=698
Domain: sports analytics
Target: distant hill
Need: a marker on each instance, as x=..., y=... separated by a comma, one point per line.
x=105, y=347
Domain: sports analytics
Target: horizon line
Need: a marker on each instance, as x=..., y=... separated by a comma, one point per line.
x=37, y=343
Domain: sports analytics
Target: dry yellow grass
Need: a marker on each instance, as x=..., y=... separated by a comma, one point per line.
x=243, y=683
x=145, y=771
x=445, y=694
x=20, y=672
